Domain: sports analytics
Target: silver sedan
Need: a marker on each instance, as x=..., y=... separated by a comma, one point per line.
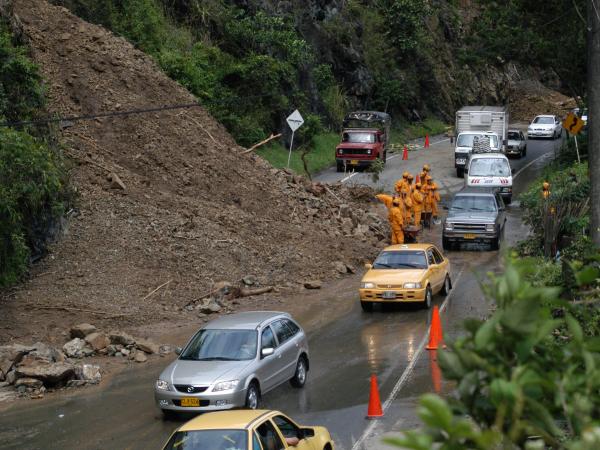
x=233, y=361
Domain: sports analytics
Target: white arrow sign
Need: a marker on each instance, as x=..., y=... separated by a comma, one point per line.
x=295, y=120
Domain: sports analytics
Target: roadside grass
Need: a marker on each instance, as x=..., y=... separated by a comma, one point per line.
x=405, y=132
x=322, y=155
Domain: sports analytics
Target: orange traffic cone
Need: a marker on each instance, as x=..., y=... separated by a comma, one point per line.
x=405, y=153
x=426, y=141
x=375, y=410
x=436, y=373
x=436, y=336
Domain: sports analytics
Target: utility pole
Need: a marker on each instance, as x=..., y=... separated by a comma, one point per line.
x=593, y=98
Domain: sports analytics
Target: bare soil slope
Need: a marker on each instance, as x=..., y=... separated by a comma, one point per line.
x=195, y=210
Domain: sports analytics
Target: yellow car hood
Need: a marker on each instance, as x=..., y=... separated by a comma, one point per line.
x=394, y=276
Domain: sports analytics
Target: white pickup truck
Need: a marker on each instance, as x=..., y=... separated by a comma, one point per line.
x=464, y=145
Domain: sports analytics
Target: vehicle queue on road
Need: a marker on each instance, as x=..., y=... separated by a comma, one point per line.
x=231, y=362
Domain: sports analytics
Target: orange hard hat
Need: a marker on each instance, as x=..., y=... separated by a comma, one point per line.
x=418, y=185
x=410, y=177
x=426, y=168
x=405, y=175
x=546, y=185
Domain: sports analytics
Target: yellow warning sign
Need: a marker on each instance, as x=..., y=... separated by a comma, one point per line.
x=573, y=124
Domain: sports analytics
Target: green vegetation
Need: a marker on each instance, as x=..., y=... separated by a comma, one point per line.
x=321, y=156
x=527, y=378
x=405, y=132
x=32, y=190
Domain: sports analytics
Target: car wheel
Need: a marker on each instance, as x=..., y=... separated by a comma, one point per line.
x=495, y=245
x=460, y=172
x=524, y=151
x=446, y=244
x=384, y=156
x=508, y=200
x=428, y=297
x=339, y=167
x=299, y=379
x=252, y=396
x=367, y=306
x=447, y=285
x=169, y=414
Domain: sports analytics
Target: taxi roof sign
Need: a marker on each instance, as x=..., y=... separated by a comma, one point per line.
x=573, y=124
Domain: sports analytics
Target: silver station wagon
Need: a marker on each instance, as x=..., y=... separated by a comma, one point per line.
x=232, y=361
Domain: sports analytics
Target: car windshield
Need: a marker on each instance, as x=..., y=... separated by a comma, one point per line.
x=466, y=140
x=467, y=203
x=221, y=345
x=514, y=135
x=544, y=120
x=359, y=138
x=209, y=440
x=405, y=259
x=489, y=167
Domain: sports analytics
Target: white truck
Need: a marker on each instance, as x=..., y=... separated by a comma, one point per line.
x=472, y=120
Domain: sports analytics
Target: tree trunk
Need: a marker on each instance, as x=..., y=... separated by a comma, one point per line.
x=593, y=96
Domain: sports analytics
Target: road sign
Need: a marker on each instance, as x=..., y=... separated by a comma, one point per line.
x=295, y=120
x=573, y=124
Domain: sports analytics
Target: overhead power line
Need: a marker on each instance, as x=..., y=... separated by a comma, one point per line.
x=129, y=112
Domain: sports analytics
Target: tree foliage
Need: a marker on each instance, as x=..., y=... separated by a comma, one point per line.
x=527, y=377
x=31, y=175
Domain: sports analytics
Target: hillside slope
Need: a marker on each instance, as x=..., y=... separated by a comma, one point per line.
x=195, y=210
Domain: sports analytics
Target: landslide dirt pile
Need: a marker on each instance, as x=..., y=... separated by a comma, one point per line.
x=530, y=98
x=163, y=197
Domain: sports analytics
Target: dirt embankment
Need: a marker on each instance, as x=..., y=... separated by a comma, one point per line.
x=530, y=98
x=194, y=209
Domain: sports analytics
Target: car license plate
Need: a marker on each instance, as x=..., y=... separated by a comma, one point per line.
x=461, y=161
x=469, y=236
x=389, y=295
x=190, y=402
x=354, y=162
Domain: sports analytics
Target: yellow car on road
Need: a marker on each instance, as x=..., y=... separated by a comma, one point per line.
x=405, y=273
x=247, y=430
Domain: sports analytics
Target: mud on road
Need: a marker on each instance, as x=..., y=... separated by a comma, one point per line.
x=347, y=345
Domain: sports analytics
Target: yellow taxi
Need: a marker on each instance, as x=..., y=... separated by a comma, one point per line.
x=405, y=273
x=247, y=430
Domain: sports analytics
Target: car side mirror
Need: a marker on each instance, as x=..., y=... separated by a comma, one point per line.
x=307, y=433
x=267, y=352
x=368, y=266
x=178, y=350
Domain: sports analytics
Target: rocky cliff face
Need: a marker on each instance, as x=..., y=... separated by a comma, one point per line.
x=436, y=80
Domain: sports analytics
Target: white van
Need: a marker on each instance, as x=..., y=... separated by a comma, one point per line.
x=464, y=145
x=491, y=170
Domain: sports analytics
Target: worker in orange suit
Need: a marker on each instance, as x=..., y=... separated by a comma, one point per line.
x=426, y=172
x=408, y=209
x=409, y=181
x=434, y=197
x=545, y=190
x=426, y=190
x=402, y=183
x=396, y=219
x=387, y=200
x=417, y=203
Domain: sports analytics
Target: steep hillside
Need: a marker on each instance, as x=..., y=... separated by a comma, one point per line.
x=412, y=58
x=194, y=209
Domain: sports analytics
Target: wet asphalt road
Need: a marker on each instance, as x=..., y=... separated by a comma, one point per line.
x=344, y=353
